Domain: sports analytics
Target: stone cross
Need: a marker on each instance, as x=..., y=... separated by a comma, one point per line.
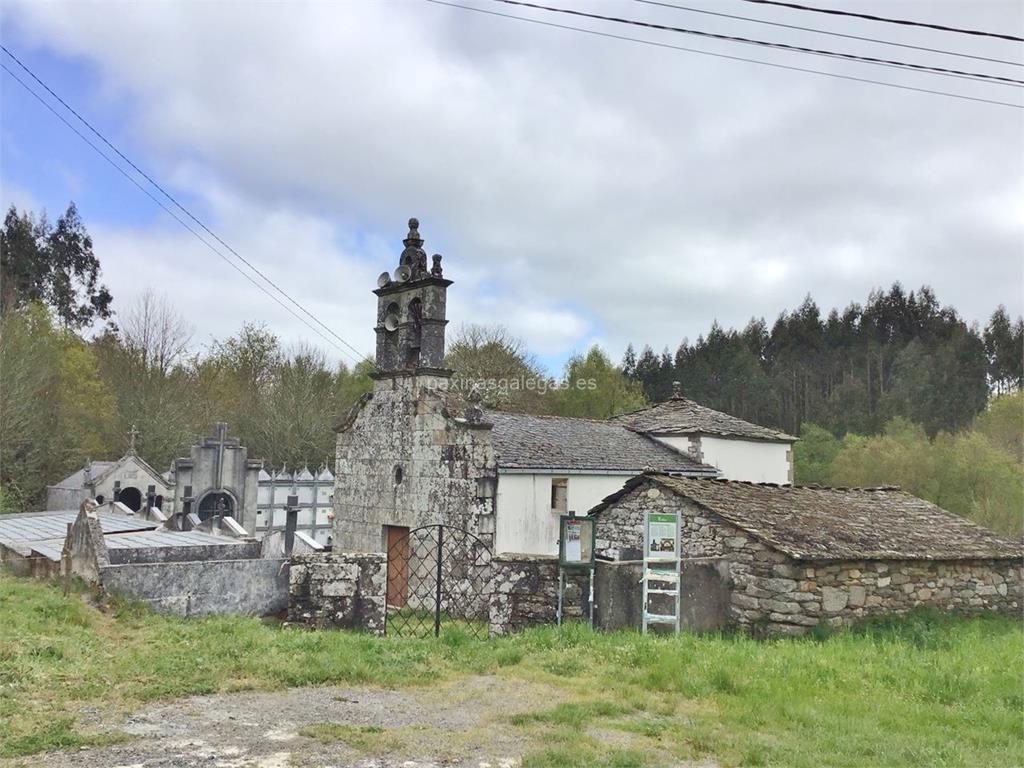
x=219, y=441
x=132, y=434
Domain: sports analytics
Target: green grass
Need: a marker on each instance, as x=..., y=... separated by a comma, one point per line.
x=365, y=738
x=927, y=690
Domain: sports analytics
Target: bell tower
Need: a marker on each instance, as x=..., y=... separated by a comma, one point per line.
x=411, y=313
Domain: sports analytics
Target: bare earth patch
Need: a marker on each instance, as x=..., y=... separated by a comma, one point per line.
x=464, y=723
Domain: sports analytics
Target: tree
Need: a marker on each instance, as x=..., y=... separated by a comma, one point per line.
x=147, y=368
x=595, y=389
x=1004, y=346
x=53, y=265
x=55, y=409
x=296, y=428
x=155, y=334
x=963, y=473
x=1002, y=423
x=899, y=354
x=814, y=454
x=29, y=380
x=498, y=365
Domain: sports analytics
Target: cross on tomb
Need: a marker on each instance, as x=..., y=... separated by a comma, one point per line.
x=220, y=441
x=132, y=434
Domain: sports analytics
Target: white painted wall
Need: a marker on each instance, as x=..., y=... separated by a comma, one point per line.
x=754, y=461
x=524, y=520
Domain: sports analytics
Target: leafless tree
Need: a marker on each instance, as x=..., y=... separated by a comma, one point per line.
x=156, y=334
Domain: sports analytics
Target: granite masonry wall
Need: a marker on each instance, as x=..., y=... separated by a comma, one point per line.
x=772, y=593
x=524, y=593
x=256, y=587
x=411, y=454
x=334, y=589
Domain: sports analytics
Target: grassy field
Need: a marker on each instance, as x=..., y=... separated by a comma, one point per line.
x=927, y=690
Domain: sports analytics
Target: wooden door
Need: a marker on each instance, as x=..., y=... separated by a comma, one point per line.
x=398, y=566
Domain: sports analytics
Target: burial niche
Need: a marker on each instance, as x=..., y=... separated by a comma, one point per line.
x=216, y=504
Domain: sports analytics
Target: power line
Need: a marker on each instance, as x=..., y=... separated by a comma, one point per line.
x=887, y=20
x=178, y=205
x=170, y=212
x=830, y=32
x=773, y=64
x=768, y=44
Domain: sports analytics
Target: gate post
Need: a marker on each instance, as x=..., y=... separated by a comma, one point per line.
x=437, y=596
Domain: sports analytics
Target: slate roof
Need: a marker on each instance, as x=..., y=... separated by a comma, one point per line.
x=524, y=441
x=812, y=523
x=35, y=526
x=680, y=416
x=98, y=469
x=76, y=479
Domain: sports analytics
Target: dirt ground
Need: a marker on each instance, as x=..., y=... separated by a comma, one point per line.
x=459, y=724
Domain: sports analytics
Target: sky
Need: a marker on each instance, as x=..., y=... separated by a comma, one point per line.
x=582, y=190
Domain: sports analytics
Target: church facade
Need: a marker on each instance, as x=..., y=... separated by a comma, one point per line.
x=410, y=453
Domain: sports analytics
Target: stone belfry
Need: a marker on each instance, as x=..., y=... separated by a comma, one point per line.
x=411, y=314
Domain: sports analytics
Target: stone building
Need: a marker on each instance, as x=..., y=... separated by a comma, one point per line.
x=795, y=557
x=551, y=465
x=129, y=480
x=738, y=449
x=410, y=453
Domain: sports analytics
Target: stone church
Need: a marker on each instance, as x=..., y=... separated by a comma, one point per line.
x=416, y=452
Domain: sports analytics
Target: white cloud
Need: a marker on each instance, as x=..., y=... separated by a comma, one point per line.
x=578, y=187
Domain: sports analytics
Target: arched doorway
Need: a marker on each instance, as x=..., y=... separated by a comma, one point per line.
x=216, y=503
x=131, y=498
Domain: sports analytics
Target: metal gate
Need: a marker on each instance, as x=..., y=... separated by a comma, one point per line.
x=437, y=580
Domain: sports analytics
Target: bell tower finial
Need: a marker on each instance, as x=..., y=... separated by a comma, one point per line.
x=411, y=313
x=413, y=239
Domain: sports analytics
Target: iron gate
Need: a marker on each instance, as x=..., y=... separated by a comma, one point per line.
x=437, y=577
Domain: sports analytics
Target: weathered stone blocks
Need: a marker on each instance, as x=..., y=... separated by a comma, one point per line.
x=334, y=589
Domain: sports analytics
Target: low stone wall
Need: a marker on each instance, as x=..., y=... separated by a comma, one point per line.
x=336, y=589
x=202, y=588
x=524, y=592
x=796, y=596
x=234, y=550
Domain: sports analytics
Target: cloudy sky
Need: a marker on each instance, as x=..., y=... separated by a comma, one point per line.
x=582, y=189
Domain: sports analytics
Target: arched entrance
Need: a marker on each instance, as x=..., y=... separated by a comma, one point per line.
x=131, y=497
x=216, y=503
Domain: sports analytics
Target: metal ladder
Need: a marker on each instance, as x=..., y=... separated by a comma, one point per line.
x=661, y=576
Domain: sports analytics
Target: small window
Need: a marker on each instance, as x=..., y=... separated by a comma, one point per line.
x=560, y=495
x=398, y=475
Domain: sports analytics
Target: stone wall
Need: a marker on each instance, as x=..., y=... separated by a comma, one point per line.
x=203, y=588
x=524, y=592
x=774, y=594
x=407, y=456
x=704, y=595
x=335, y=589
x=798, y=595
